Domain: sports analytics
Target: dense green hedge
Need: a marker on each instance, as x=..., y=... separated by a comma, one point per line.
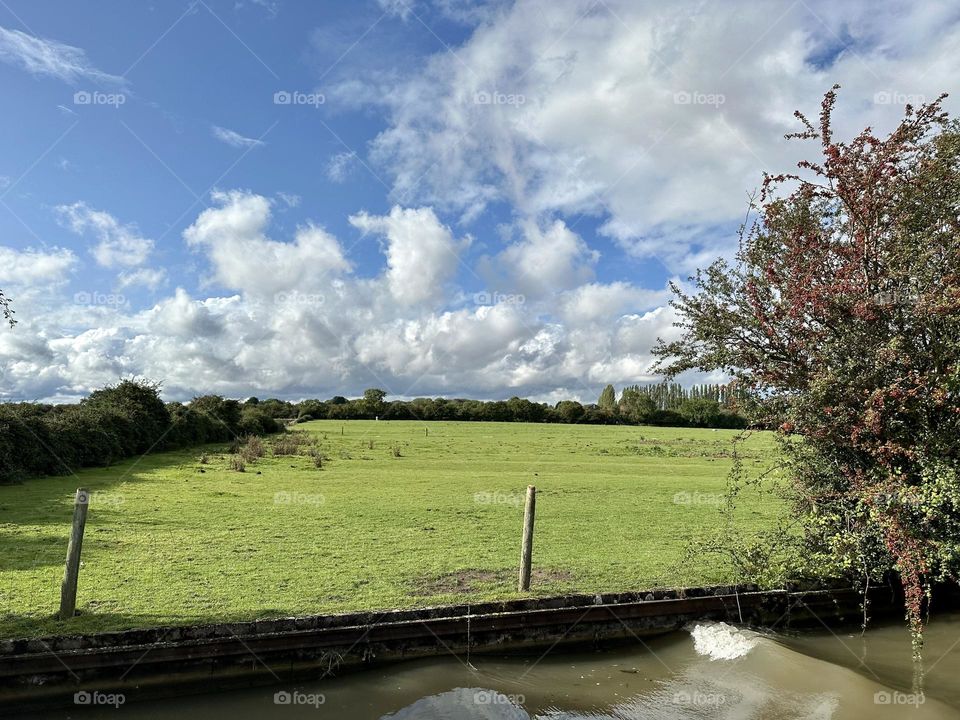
x=116, y=422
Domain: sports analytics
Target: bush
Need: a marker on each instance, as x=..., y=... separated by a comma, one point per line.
x=116, y=422
x=251, y=449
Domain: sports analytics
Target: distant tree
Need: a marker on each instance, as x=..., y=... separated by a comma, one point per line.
x=373, y=401
x=225, y=415
x=636, y=406
x=608, y=400
x=570, y=411
x=338, y=400
x=252, y=401
x=700, y=412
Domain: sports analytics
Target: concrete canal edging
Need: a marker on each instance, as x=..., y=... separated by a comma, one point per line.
x=156, y=662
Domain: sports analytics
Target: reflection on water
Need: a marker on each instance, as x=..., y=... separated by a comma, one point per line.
x=712, y=670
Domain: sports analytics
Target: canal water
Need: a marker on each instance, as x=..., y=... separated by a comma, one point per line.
x=709, y=670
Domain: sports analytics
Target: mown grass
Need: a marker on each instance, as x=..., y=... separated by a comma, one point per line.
x=399, y=514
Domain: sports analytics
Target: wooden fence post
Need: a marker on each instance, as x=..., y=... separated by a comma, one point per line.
x=68, y=589
x=526, y=549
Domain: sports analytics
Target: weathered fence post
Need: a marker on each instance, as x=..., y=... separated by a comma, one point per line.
x=526, y=549
x=68, y=589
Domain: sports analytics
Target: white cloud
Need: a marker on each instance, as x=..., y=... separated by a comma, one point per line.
x=546, y=261
x=655, y=118
x=332, y=332
x=29, y=266
x=243, y=257
x=40, y=56
x=235, y=139
x=118, y=245
x=422, y=255
x=144, y=277
x=340, y=165
x=289, y=199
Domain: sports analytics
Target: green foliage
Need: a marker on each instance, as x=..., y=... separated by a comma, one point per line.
x=608, y=400
x=116, y=422
x=841, y=320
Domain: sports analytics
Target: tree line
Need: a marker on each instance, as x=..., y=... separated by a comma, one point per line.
x=130, y=419
x=117, y=422
x=712, y=406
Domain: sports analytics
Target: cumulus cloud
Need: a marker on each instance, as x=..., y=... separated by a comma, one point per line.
x=422, y=255
x=30, y=266
x=546, y=261
x=118, y=245
x=50, y=58
x=656, y=118
x=298, y=322
x=234, y=236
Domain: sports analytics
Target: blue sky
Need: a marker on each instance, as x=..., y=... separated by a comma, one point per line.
x=435, y=197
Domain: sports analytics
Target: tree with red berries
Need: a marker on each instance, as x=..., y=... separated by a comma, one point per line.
x=840, y=316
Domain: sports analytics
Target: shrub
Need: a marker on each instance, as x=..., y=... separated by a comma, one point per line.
x=251, y=448
x=236, y=463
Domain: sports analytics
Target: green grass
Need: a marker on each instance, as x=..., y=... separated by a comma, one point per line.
x=171, y=541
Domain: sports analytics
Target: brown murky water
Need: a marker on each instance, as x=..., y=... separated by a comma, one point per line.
x=709, y=671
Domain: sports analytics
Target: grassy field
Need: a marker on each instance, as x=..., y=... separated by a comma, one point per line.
x=171, y=540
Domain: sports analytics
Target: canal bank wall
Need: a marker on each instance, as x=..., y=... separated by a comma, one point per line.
x=142, y=664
